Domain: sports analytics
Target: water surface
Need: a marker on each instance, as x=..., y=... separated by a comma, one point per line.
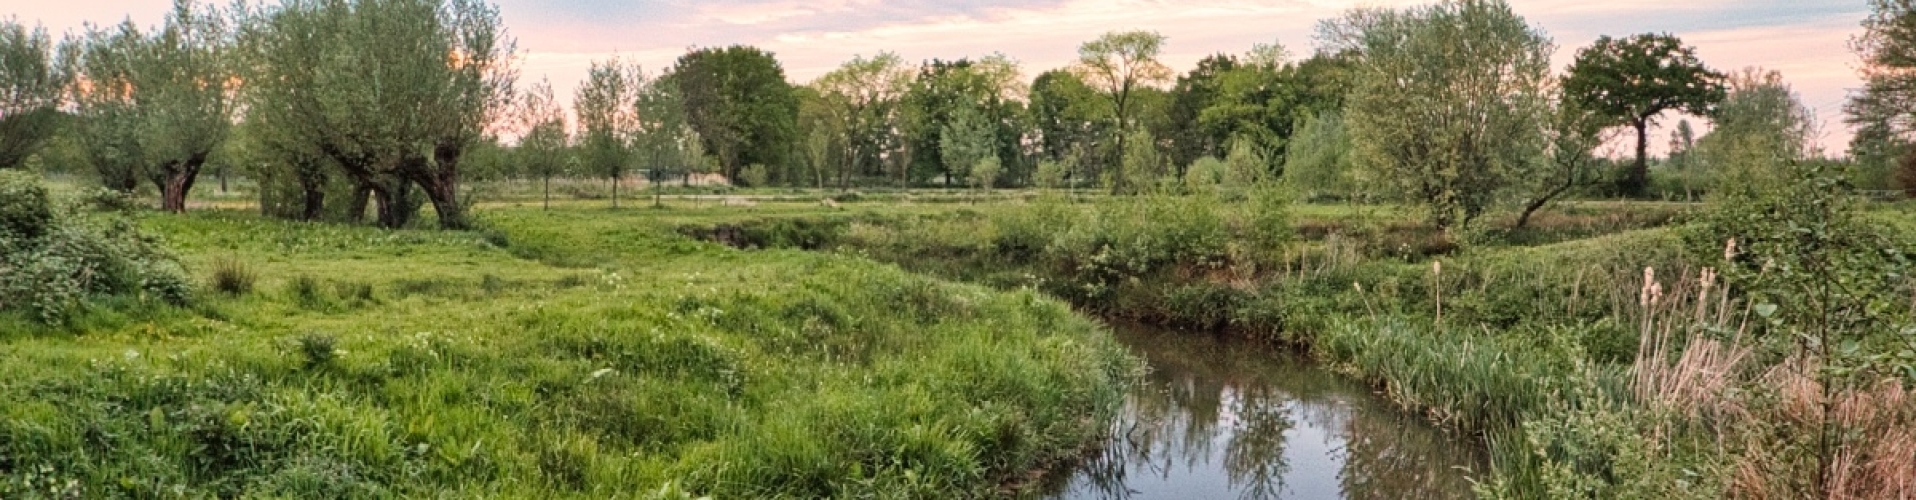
x=1230, y=419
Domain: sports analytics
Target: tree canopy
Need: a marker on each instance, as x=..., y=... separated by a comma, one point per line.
x=1634, y=80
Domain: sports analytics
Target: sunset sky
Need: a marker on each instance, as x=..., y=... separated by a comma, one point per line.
x=1807, y=40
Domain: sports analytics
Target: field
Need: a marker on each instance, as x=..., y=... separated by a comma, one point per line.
x=919, y=344
x=581, y=353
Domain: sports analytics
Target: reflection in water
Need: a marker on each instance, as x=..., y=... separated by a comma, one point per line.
x=1219, y=418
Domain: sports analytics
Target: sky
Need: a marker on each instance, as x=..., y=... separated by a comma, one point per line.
x=1806, y=40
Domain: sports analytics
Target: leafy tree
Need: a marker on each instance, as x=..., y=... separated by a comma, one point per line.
x=1245, y=166
x=1571, y=135
x=1761, y=127
x=1142, y=167
x=863, y=99
x=1449, y=128
x=1884, y=112
x=1194, y=93
x=162, y=103
x=30, y=88
x=544, y=142
x=1204, y=174
x=660, y=137
x=394, y=92
x=1050, y=174
x=607, y=107
x=1319, y=157
x=966, y=141
x=944, y=89
x=1636, y=79
x=984, y=174
x=1117, y=65
x=740, y=104
x=1067, y=116
x=826, y=144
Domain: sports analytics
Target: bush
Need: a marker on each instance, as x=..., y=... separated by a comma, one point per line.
x=232, y=276
x=59, y=260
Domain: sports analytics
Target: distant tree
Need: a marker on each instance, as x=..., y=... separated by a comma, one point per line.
x=544, y=142
x=1194, y=93
x=661, y=132
x=162, y=103
x=984, y=174
x=965, y=141
x=826, y=146
x=1682, y=140
x=30, y=91
x=1050, y=174
x=1634, y=80
x=1117, y=65
x=1204, y=174
x=607, y=107
x=1571, y=136
x=1068, y=116
x=944, y=89
x=1245, y=166
x=1884, y=112
x=740, y=104
x=863, y=98
x=1319, y=156
x=1761, y=128
x=1142, y=168
x=1447, y=128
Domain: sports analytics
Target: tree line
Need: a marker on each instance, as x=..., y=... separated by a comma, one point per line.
x=338, y=107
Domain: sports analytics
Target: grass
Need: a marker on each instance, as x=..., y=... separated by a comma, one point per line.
x=598, y=355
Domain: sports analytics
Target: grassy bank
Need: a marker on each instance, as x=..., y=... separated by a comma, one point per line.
x=1556, y=346
x=568, y=354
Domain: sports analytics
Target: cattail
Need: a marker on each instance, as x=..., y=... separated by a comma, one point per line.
x=1649, y=278
x=1729, y=250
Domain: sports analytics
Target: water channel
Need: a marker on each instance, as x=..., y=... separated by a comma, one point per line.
x=1229, y=419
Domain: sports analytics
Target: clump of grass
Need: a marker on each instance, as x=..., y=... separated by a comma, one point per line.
x=492, y=284
x=305, y=291
x=317, y=350
x=232, y=276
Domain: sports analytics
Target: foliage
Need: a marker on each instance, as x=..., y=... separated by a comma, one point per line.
x=609, y=120
x=1118, y=65
x=738, y=101
x=61, y=260
x=544, y=143
x=714, y=372
x=967, y=140
x=1635, y=79
x=1319, y=159
x=30, y=85
x=864, y=97
x=393, y=93
x=977, y=97
x=1760, y=127
x=232, y=276
x=155, y=105
x=1432, y=122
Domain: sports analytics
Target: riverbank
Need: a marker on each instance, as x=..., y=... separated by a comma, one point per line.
x=582, y=354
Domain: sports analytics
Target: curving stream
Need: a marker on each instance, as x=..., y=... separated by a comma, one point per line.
x=1230, y=419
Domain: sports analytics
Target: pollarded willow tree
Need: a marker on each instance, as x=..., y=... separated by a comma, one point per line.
x=1636, y=79
x=1118, y=64
x=30, y=88
x=155, y=105
x=1447, y=101
x=394, y=92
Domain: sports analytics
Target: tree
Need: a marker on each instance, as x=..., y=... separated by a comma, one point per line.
x=1319, y=157
x=943, y=90
x=1449, y=128
x=966, y=141
x=661, y=132
x=394, y=92
x=1634, y=80
x=1117, y=64
x=1571, y=134
x=1067, y=116
x=30, y=91
x=544, y=142
x=1761, y=128
x=1195, y=92
x=739, y=102
x=862, y=98
x=1884, y=112
x=160, y=103
x=607, y=107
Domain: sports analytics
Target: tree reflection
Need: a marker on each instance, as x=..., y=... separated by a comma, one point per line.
x=1215, y=411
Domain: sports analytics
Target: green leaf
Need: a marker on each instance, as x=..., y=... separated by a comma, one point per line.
x=1765, y=310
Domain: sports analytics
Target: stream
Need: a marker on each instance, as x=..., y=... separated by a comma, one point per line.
x=1231, y=419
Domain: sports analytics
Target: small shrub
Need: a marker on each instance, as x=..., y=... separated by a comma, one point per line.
x=317, y=349
x=24, y=209
x=232, y=276
x=305, y=291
